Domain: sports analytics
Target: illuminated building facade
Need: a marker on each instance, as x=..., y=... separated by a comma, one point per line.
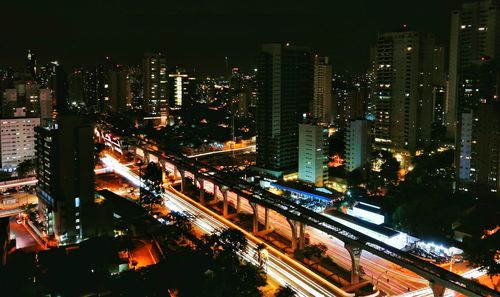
x=407, y=67
x=357, y=144
x=322, y=96
x=284, y=93
x=313, y=154
x=65, y=172
x=479, y=160
x=17, y=141
x=155, y=79
x=179, y=89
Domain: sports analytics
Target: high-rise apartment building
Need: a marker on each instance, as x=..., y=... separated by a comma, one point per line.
x=119, y=90
x=31, y=66
x=474, y=52
x=29, y=98
x=322, y=93
x=65, y=172
x=407, y=67
x=357, y=144
x=473, y=82
x=349, y=99
x=45, y=104
x=479, y=150
x=178, y=89
x=17, y=141
x=284, y=92
x=155, y=78
x=313, y=153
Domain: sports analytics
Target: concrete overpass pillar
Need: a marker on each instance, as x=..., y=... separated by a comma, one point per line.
x=183, y=180
x=238, y=202
x=215, y=192
x=266, y=218
x=302, y=242
x=202, y=191
x=255, y=221
x=355, y=253
x=224, y=203
x=437, y=289
x=293, y=227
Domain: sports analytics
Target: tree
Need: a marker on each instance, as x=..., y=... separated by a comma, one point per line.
x=5, y=175
x=285, y=291
x=31, y=212
x=178, y=226
x=315, y=251
x=355, y=177
x=150, y=190
x=390, y=168
x=484, y=251
x=152, y=177
x=149, y=199
x=98, y=151
x=26, y=168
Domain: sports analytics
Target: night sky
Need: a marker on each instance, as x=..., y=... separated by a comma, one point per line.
x=199, y=33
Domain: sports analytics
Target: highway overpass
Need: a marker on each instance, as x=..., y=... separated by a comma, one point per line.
x=298, y=217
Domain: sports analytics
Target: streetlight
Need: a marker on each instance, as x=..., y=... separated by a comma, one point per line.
x=376, y=281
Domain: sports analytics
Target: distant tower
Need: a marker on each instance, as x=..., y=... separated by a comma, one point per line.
x=155, y=84
x=284, y=91
x=31, y=64
x=313, y=154
x=65, y=172
x=357, y=144
x=322, y=99
x=406, y=69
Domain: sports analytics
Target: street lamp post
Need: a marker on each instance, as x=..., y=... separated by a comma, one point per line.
x=375, y=283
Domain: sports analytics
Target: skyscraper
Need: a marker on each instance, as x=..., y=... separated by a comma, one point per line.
x=178, y=89
x=322, y=96
x=17, y=141
x=284, y=92
x=357, y=144
x=155, y=84
x=473, y=82
x=65, y=172
x=474, y=52
x=31, y=67
x=349, y=99
x=479, y=150
x=405, y=66
x=313, y=153
x=119, y=90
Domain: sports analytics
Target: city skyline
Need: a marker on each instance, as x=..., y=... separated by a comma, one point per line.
x=263, y=148
x=199, y=36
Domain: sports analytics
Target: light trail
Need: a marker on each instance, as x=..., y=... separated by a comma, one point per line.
x=250, y=147
x=277, y=268
x=373, y=265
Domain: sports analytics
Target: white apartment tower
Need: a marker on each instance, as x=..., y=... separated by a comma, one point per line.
x=313, y=150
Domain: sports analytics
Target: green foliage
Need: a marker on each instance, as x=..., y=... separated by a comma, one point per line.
x=315, y=251
x=355, y=177
x=285, y=291
x=150, y=194
x=484, y=252
x=26, y=168
x=152, y=175
x=4, y=175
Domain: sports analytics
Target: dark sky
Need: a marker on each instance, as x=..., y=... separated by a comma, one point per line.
x=199, y=33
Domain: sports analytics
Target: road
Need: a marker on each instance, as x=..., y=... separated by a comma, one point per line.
x=377, y=270
x=389, y=277
x=26, y=239
x=279, y=266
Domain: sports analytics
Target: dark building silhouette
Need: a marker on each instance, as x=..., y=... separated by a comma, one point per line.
x=284, y=92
